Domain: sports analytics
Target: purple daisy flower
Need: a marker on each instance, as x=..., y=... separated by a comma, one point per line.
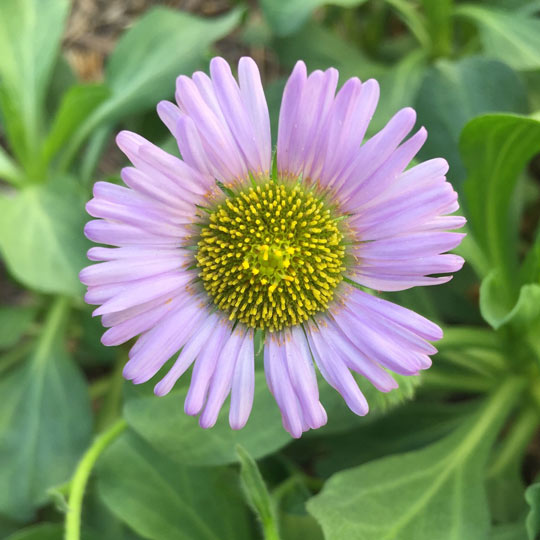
x=210, y=249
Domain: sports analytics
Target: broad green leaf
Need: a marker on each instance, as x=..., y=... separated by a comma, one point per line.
x=43, y=531
x=286, y=16
x=8, y=526
x=30, y=34
x=512, y=531
x=299, y=527
x=495, y=149
x=77, y=104
x=532, y=496
x=163, y=500
x=41, y=236
x=454, y=92
x=161, y=45
x=163, y=423
x=509, y=35
x=435, y=492
x=256, y=493
x=45, y=421
x=14, y=321
x=98, y=522
x=406, y=428
x=321, y=48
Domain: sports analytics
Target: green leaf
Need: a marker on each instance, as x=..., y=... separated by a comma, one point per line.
x=341, y=418
x=163, y=500
x=321, y=48
x=454, y=92
x=299, y=527
x=77, y=104
x=436, y=492
x=163, y=423
x=43, y=531
x=8, y=169
x=30, y=35
x=532, y=496
x=512, y=531
x=41, y=236
x=511, y=36
x=495, y=149
x=45, y=421
x=141, y=71
x=524, y=315
x=14, y=321
x=256, y=493
x=409, y=427
x=286, y=16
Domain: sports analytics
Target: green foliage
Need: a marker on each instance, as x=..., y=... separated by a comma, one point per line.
x=441, y=457
x=163, y=423
x=495, y=149
x=256, y=493
x=30, y=34
x=452, y=93
x=398, y=497
x=532, y=495
x=50, y=218
x=286, y=16
x=162, y=500
x=39, y=532
x=13, y=324
x=45, y=421
x=509, y=35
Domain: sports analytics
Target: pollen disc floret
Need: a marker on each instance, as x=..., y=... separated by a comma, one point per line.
x=271, y=256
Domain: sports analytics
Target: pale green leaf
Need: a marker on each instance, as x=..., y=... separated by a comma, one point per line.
x=495, y=149
x=509, y=35
x=30, y=35
x=163, y=500
x=77, y=104
x=50, y=219
x=14, y=321
x=436, y=492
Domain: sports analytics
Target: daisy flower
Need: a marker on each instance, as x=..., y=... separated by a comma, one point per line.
x=228, y=243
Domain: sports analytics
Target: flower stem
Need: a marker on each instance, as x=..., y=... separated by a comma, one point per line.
x=82, y=473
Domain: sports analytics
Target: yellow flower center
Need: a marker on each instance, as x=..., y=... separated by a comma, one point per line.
x=271, y=256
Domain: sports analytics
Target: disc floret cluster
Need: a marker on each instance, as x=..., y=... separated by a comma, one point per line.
x=271, y=256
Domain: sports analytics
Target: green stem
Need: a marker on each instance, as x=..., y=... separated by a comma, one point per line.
x=82, y=473
x=516, y=441
x=270, y=531
x=54, y=323
x=112, y=398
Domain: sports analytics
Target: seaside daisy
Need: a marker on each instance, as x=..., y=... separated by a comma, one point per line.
x=228, y=243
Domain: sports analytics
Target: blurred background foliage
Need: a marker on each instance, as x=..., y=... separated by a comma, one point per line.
x=452, y=454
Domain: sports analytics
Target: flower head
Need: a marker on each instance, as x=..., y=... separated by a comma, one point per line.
x=223, y=243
